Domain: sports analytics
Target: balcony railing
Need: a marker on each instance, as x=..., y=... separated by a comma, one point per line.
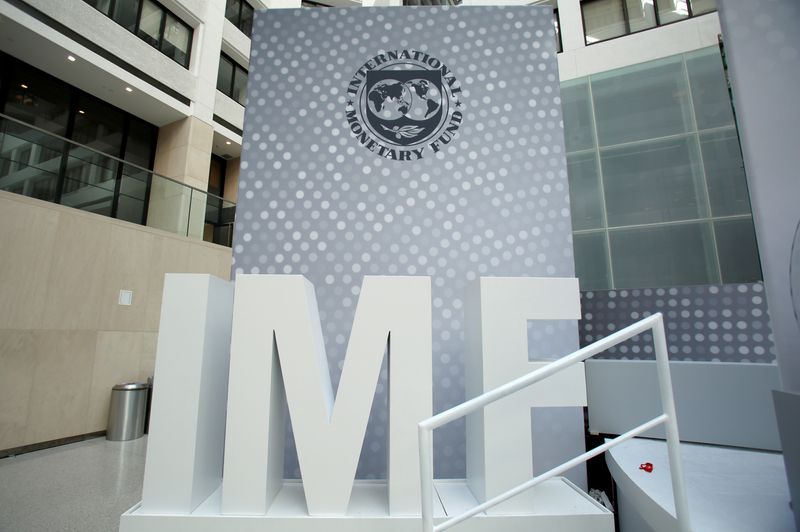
x=39, y=164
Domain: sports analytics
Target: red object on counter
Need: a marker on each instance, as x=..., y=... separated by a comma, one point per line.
x=647, y=467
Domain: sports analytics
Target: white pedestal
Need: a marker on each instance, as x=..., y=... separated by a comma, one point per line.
x=556, y=506
x=729, y=489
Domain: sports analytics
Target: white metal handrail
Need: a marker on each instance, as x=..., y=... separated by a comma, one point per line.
x=654, y=322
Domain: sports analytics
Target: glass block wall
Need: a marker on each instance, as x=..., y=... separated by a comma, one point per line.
x=657, y=183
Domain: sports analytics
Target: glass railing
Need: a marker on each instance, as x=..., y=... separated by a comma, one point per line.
x=39, y=164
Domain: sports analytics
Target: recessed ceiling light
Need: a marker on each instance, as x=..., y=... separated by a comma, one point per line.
x=128, y=89
x=228, y=142
x=24, y=86
x=71, y=57
x=81, y=111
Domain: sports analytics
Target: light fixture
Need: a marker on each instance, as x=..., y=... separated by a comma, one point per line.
x=228, y=142
x=128, y=89
x=81, y=111
x=71, y=57
x=23, y=86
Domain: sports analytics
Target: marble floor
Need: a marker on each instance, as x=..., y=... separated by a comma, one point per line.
x=81, y=487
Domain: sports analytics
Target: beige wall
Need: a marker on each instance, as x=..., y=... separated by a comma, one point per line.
x=183, y=152
x=64, y=340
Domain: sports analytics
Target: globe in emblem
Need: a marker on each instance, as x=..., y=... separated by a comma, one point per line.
x=402, y=102
x=415, y=99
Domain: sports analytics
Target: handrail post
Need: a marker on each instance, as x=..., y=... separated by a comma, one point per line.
x=426, y=476
x=671, y=426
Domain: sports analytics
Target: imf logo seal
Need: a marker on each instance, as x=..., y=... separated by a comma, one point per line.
x=404, y=105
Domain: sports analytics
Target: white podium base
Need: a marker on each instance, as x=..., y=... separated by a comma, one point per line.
x=555, y=506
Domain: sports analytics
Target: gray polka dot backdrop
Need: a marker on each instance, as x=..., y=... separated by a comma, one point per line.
x=333, y=196
x=717, y=323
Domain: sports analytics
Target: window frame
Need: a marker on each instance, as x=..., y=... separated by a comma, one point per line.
x=626, y=19
x=162, y=27
x=236, y=65
x=238, y=21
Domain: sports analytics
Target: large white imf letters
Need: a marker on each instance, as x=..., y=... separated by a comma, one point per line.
x=277, y=345
x=272, y=332
x=499, y=446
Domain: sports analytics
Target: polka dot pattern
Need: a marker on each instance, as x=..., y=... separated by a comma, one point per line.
x=494, y=201
x=727, y=323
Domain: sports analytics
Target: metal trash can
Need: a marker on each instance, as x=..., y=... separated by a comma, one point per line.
x=127, y=412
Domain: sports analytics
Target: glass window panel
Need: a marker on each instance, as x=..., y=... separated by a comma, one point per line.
x=125, y=13
x=98, y=125
x=641, y=14
x=91, y=176
x=712, y=102
x=232, y=10
x=672, y=10
x=150, y=23
x=645, y=101
x=216, y=176
x=246, y=24
x=725, y=177
x=578, y=126
x=225, y=76
x=177, y=36
x=653, y=182
x=104, y=6
x=36, y=98
x=591, y=261
x=239, y=86
x=603, y=19
x=700, y=7
x=667, y=255
x=738, y=251
x=584, y=191
x=140, y=143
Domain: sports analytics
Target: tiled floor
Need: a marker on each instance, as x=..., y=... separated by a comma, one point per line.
x=82, y=487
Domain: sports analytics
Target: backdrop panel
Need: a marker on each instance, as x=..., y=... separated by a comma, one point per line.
x=409, y=141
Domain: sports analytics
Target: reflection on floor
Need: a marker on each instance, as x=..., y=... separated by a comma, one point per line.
x=82, y=487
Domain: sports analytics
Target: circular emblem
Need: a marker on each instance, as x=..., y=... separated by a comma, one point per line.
x=404, y=105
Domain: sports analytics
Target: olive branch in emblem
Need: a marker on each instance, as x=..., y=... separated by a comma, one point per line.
x=405, y=131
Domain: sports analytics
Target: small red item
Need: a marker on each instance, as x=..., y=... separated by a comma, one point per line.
x=647, y=467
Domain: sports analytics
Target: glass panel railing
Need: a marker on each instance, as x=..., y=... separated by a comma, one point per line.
x=219, y=220
x=30, y=161
x=169, y=207
x=45, y=166
x=133, y=195
x=90, y=183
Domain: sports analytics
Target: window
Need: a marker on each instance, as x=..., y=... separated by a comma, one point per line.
x=232, y=79
x=657, y=185
x=607, y=19
x=151, y=22
x=79, y=175
x=240, y=13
